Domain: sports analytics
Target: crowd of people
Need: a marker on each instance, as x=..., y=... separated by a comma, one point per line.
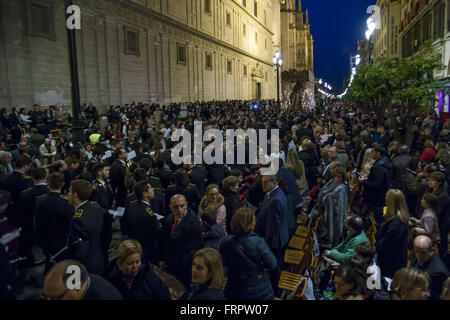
x=219, y=231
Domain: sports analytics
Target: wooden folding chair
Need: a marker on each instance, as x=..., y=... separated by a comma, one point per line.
x=294, y=284
x=298, y=243
x=302, y=231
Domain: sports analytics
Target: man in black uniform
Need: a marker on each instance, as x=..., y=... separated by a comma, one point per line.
x=97, y=157
x=103, y=195
x=118, y=172
x=163, y=174
x=27, y=213
x=198, y=175
x=182, y=186
x=158, y=203
x=15, y=183
x=142, y=222
x=87, y=226
x=53, y=217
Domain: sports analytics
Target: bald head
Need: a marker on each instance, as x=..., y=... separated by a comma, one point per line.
x=423, y=242
x=423, y=249
x=56, y=283
x=178, y=206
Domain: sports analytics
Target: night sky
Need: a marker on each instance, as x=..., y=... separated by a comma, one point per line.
x=336, y=25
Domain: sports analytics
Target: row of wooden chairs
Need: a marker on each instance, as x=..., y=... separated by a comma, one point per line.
x=301, y=261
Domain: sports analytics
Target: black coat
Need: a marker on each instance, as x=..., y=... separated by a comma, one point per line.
x=232, y=203
x=27, y=212
x=15, y=183
x=87, y=225
x=197, y=175
x=378, y=182
x=310, y=161
x=147, y=285
x=165, y=176
x=144, y=227
x=392, y=246
x=443, y=213
x=53, y=217
x=118, y=172
x=202, y=293
x=400, y=164
x=179, y=247
x=101, y=289
x=438, y=274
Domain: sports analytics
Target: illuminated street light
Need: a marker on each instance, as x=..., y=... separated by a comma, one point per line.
x=277, y=61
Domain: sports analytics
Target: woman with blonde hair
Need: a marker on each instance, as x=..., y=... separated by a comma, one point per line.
x=392, y=235
x=134, y=278
x=214, y=201
x=296, y=166
x=207, y=276
x=410, y=284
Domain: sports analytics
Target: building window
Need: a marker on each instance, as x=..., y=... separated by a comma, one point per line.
x=131, y=41
x=181, y=53
x=208, y=7
x=255, y=8
x=245, y=70
x=256, y=37
x=229, y=66
x=426, y=32
x=244, y=30
x=448, y=15
x=265, y=43
x=438, y=20
x=265, y=17
x=228, y=19
x=208, y=61
x=40, y=19
x=244, y=3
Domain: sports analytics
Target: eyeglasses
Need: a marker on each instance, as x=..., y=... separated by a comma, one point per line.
x=45, y=297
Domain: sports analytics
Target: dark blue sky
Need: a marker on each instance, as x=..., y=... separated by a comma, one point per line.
x=336, y=25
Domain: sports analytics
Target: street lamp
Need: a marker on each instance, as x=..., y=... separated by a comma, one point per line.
x=277, y=61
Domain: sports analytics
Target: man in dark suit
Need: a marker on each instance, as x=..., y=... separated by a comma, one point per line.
x=378, y=182
x=428, y=261
x=272, y=223
x=181, y=238
x=118, y=172
x=143, y=225
x=27, y=214
x=52, y=219
x=86, y=227
x=400, y=164
x=15, y=183
x=103, y=195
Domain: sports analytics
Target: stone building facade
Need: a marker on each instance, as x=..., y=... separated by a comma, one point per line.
x=297, y=50
x=386, y=39
x=426, y=20
x=158, y=51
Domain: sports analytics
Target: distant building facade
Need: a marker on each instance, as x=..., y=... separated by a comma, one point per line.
x=141, y=50
x=386, y=39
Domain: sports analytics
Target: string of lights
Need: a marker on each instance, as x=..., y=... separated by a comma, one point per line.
x=371, y=26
